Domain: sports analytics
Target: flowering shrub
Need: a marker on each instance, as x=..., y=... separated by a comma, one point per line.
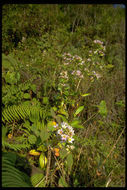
x=65, y=132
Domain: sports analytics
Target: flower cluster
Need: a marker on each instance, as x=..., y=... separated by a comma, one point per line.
x=96, y=74
x=65, y=132
x=69, y=59
x=77, y=73
x=64, y=74
x=98, y=42
x=100, y=51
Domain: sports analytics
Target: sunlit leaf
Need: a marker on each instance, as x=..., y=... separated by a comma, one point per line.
x=78, y=110
x=86, y=94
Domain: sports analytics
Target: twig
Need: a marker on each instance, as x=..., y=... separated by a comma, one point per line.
x=48, y=164
x=90, y=118
x=78, y=85
x=114, y=146
x=40, y=182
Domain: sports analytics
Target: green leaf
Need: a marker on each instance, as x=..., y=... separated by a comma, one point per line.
x=26, y=96
x=45, y=100
x=109, y=66
x=62, y=182
x=38, y=180
x=78, y=110
x=58, y=119
x=63, y=112
x=32, y=139
x=76, y=124
x=53, y=113
x=86, y=94
x=44, y=135
x=120, y=103
x=33, y=88
x=102, y=108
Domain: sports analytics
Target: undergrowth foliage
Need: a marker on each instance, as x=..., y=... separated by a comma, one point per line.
x=63, y=96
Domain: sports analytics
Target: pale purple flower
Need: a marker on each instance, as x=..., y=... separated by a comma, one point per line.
x=73, y=73
x=64, y=137
x=78, y=73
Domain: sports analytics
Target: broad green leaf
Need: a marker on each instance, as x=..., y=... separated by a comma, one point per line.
x=78, y=110
x=38, y=180
x=45, y=100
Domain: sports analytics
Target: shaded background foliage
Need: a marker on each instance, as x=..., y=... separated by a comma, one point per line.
x=37, y=36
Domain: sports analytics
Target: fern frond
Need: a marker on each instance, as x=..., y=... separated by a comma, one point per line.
x=15, y=113
x=15, y=146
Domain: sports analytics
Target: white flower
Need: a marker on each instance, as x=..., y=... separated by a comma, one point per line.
x=70, y=140
x=98, y=42
x=66, y=63
x=95, y=52
x=64, y=125
x=98, y=75
x=88, y=59
x=70, y=147
x=60, y=131
x=63, y=74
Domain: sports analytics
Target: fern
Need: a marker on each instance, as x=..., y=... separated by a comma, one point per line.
x=11, y=176
x=15, y=113
x=19, y=144
x=15, y=146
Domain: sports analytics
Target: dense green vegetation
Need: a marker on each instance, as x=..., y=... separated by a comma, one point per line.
x=63, y=95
